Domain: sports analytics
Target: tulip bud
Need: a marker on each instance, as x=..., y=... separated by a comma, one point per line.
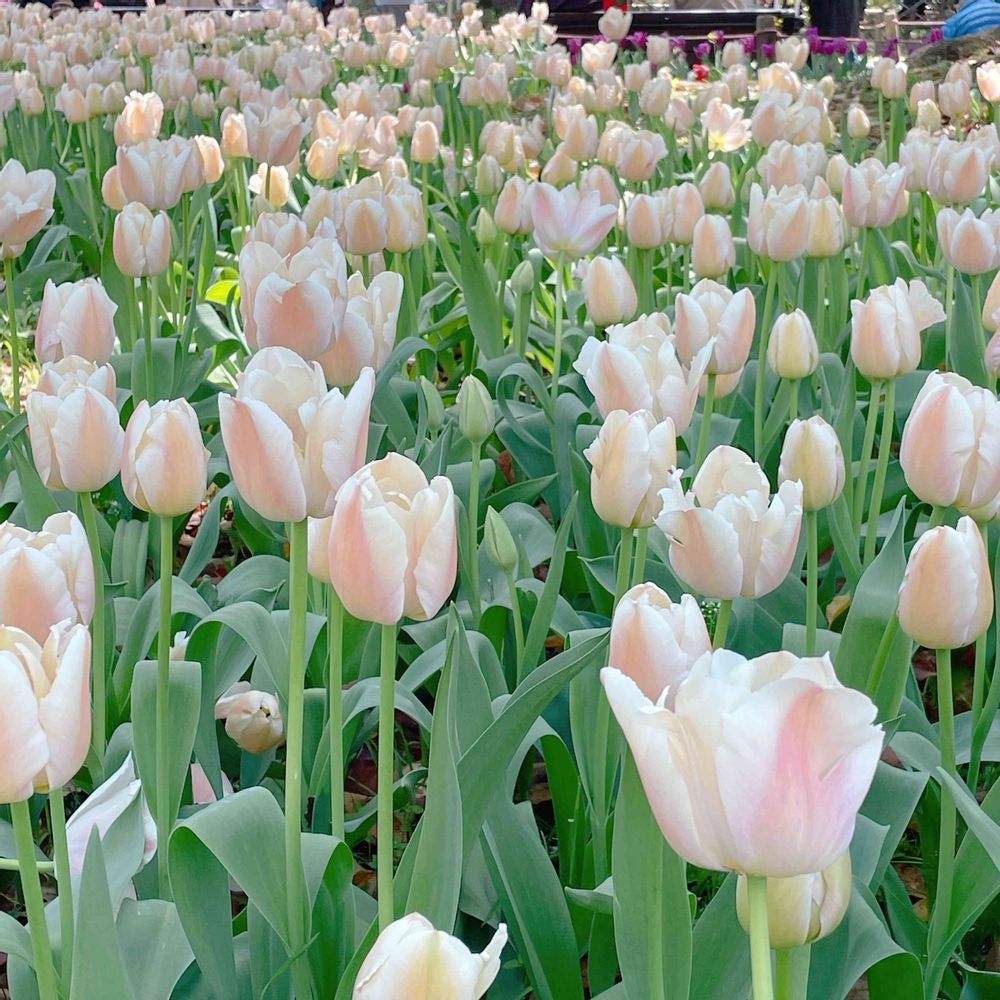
x=792, y=351
x=27, y=199
x=426, y=144
x=946, y=597
x=858, y=125
x=486, y=230
x=928, y=116
x=713, y=315
x=141, y=241
x=522, y=281
x=608, y=291
x=716, y=188
x=713, y=252
x=253, y=718
x=164, y=462
x=76, y=318
x=500, y=545
x=812, y=455
x=992, y=358
x=804, y=908
x=435, y=406
x=476, y=416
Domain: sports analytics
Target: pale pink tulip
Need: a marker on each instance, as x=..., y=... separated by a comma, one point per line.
x=75, y=318
x=569, y=224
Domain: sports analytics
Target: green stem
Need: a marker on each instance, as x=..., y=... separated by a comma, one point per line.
x=149, y=332
x=57, y=819
x=812, y=581
x=31, y=887
x=298, y=584
x=164, y=821
x=473, y=537
x=882, y=656
x=13, y=865
x=765, y=335
x=99, y=666
x=722, y=624
x=760, y=945
x=859, y=291
x=791, y=973
x=822, y=269
x=793, y=400
x=985, y=723
x=706, y=423
x=946, y=848
x=624, y=564
x=639, y=565
x=881, y=470
x=949, y=310
x=14, y=343
x=557, y=348
x=515, y=614
x=386, y=755
x=867, y=447
x=335, y=640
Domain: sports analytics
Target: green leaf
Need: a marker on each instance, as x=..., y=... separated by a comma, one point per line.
x=154, y=947
x=480, y=300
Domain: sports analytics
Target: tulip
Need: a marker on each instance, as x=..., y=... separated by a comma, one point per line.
x=272, y=185
x=992, y=305
x=410, y=960
x=75, y=318
x=950, y=450
x=955, y=98
x=967, y=243
x=631, y=458
x=425, y=145
x=45, y=710
x=655, y=642
x=291, y=443
x=253, y=718
x=716, y=188
x=405, y=216
x=714, y=316
x=638, y=368
x=638, y=155
x=140, y=120
x=164, y=462
x=957, y=173
x=725, y=128
x=47, y=576
x=209, y=155
x=778, y=222
x=614, y=24
x=858, y=125
x=792, y=351
x=273, y=135
x=645, y=223
x=713, y=252
x=76, y=437
x=812, y=456
x=793, y=51
x=735, y=541
x=156, y=173
x=787, y=165
x=886, y=328
x=760, y=767
x=874, y=195
x=826, y=227
x=684, y=207
x=25, y=205
x=803, y=908
x=928, y=116
x=569, y=223
x=286, y=233
x=102, y=808
x=946, y=597
x=141, y=241
x=393, y=543
x=988, y=80
x=296, y=301
x=608, y=291
x=234, y=135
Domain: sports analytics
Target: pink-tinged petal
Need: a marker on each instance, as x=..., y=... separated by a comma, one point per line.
x=298, y=316
x=88, y=438
x=24, y=750
x=434, y=553
x=64, y=713
x=33, y=593
x=704, y=551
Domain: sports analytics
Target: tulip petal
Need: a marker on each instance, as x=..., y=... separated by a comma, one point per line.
x=23, y=747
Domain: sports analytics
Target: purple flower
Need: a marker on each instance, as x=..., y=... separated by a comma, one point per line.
x=815, y=43
x=680, y=42
x=840, y=46
x=573, y=47
x=767, y=50
x=702, y=49
x=861, y=46
x=889, y=52
x=406, y=88
x=637, y=40
x=749, y=43
x=936, y=35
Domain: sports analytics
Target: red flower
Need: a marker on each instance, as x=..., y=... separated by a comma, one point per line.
x=700, y=71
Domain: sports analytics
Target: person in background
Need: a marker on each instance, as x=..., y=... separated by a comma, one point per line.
x=972, y=17
x=836, y=18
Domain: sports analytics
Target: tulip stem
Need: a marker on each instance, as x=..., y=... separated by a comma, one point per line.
x=793, y=399
x=867, y=447
x=386, y=755
x=57, y=819
x=515, y=614
x=881, y=469
x=946, y=844
x=15, y=347
x=882, y=657
x=473, y=536
x=977, y=312
x=164, y=821
x=639, y=566
x=812, y=581
x=760, y=945
x=149, y=333
x=99, y=667
x=859, y=290
x=949, y=309
x=822, y=269
x=791, y=973
x=557, y=346
x=298, y=585
x=765, y=334
x=706, y=423
x=335, y=640
x=13, y=865
x=985, y=722
x=31, y=887
x=624, y=564
x=978, y=685
x=722, y=624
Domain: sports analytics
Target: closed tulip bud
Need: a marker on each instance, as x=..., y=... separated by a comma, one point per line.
x=946, y=597
x=272, y=187
x=950, y=450
x=164, y=462
x=645, y=224
x=836, y=172
x=234, y=135
x=366, y=227
x=812, y=456
x=988, y=80
x=858, y=125
x=323, y=159
x=76, y=318
x=45, y=716
x=426, y=144
x=499, y=542
x=253, y=718
x=778, y=222
x=273, y=135
x=656, y=642
x=411, y=960
x=874, y=195
x=513, y=209
x=560, y=169
x=580, y=140
x=928, y=116
x=489, y=177
x=750, y=750
x=435, y=406
x=25, y=205
x=111, y=190
x=893, y=82
x=955, y=98
x=886, y=328
x=291, y=443
x=140, y=120
x=826, y=227
x=631, y=458
x=737, y=539
x=614, y=24
x=476, y=416
x=522, y=280
x=683, y=210
x=76, y=437
x=46, y=576
x=792, y=351
x=713, y=252
x=992, y=357
x=922, y=90
x=393, y=543
x=803, y=908
x=967, y=243
x=141, y=241
x=486, y=230
x=991, y=307
x=716, y=188
x=608, y=291
x=712, y=315
x=957, y=173
x=209, y=156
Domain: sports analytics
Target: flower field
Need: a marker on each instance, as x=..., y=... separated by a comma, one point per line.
x=494, y=515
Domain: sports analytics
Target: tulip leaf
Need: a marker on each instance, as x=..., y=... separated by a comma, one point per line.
x=480, y=299
x=154, y=947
